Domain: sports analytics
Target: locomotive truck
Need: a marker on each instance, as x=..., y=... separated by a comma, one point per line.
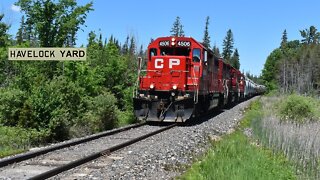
x=183, y=78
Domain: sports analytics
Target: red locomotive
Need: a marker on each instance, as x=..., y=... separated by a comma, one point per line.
x=183, y=79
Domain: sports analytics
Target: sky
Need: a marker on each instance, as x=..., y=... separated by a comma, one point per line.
x=257, y=26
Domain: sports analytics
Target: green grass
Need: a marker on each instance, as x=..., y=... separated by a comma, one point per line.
x=238, y=157
x=15, y=140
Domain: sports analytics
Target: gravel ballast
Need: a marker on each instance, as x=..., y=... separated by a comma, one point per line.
x=163, y=156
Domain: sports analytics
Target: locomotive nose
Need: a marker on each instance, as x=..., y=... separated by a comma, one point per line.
x=167, y=73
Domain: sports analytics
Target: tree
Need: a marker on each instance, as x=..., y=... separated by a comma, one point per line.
x=177, y=29
x=141, y=52
x=206, y=37
x=228, y=46
x=4, y=37
x=125, y=47
x=21, y=34
x=271, y=69
x=56, y=23
x=5, y=65
x=216, y=51
x=235, y=60
x=132, y=48
x=284, y=39
x=310, y=36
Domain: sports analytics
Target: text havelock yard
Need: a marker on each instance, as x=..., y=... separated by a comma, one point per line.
x=47, y=54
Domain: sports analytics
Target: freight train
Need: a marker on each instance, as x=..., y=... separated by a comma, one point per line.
x=184, y=79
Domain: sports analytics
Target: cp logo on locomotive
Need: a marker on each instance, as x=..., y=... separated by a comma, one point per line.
x=158, y=63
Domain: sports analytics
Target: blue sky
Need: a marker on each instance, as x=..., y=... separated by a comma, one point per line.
x=257, y=26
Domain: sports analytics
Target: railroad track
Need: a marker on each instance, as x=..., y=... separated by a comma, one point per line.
x=48, y=169
x=32, y=154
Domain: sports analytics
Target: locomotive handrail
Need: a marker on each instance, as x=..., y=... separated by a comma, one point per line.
x=195, y=97
x=146, y=70
x=225, y=86
x=135, y=90
x=178, y=71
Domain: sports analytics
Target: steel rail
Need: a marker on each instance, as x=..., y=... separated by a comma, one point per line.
x=91, y=157
x=29, y=155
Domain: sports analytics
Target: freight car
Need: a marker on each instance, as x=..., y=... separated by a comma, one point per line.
x=183, y=78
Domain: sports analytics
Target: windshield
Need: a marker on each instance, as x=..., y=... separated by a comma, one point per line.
x=167, y=51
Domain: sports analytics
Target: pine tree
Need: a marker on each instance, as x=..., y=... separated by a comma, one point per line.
x=100, y=41
x=125, y=47
x=31, y=34
x=111, y=39
x=206, y=37
x=181, y=31
x=284, y=39
x=228, y=46
x=177, y=29
x=216, y=51
x=235, y=60
x=132, y=48
x=141, y=51
x=91, y=38
x=21, y=36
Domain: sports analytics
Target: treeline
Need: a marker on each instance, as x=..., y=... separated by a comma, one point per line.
x=59, y=100
x=295, y=65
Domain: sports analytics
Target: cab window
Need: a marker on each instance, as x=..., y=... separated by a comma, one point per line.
x=152, y=52
x=196, y=55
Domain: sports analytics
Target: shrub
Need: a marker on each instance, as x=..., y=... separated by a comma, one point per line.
x=101, y=114
x=297, y=109
x=11, y=102
x=53, y=106
x=104, y=111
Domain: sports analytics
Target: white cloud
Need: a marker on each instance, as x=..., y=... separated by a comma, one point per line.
x=15, y=8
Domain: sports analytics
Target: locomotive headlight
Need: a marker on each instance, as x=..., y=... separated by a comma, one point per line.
x=174, y=87
x=173, y=39
x=151, y=86
x=173, y=94
x=173, y=43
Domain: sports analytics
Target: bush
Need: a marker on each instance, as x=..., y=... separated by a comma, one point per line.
x=104, y=111
x=101, y=114
x=53, y=106
x=11, y=102
x=297, y=109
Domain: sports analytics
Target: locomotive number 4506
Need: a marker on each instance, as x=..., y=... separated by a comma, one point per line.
x=184, y=43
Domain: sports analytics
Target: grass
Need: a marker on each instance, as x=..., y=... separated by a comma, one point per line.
x=239, y=157
x=15, y=140
x=297, y=137
x=235, y=157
